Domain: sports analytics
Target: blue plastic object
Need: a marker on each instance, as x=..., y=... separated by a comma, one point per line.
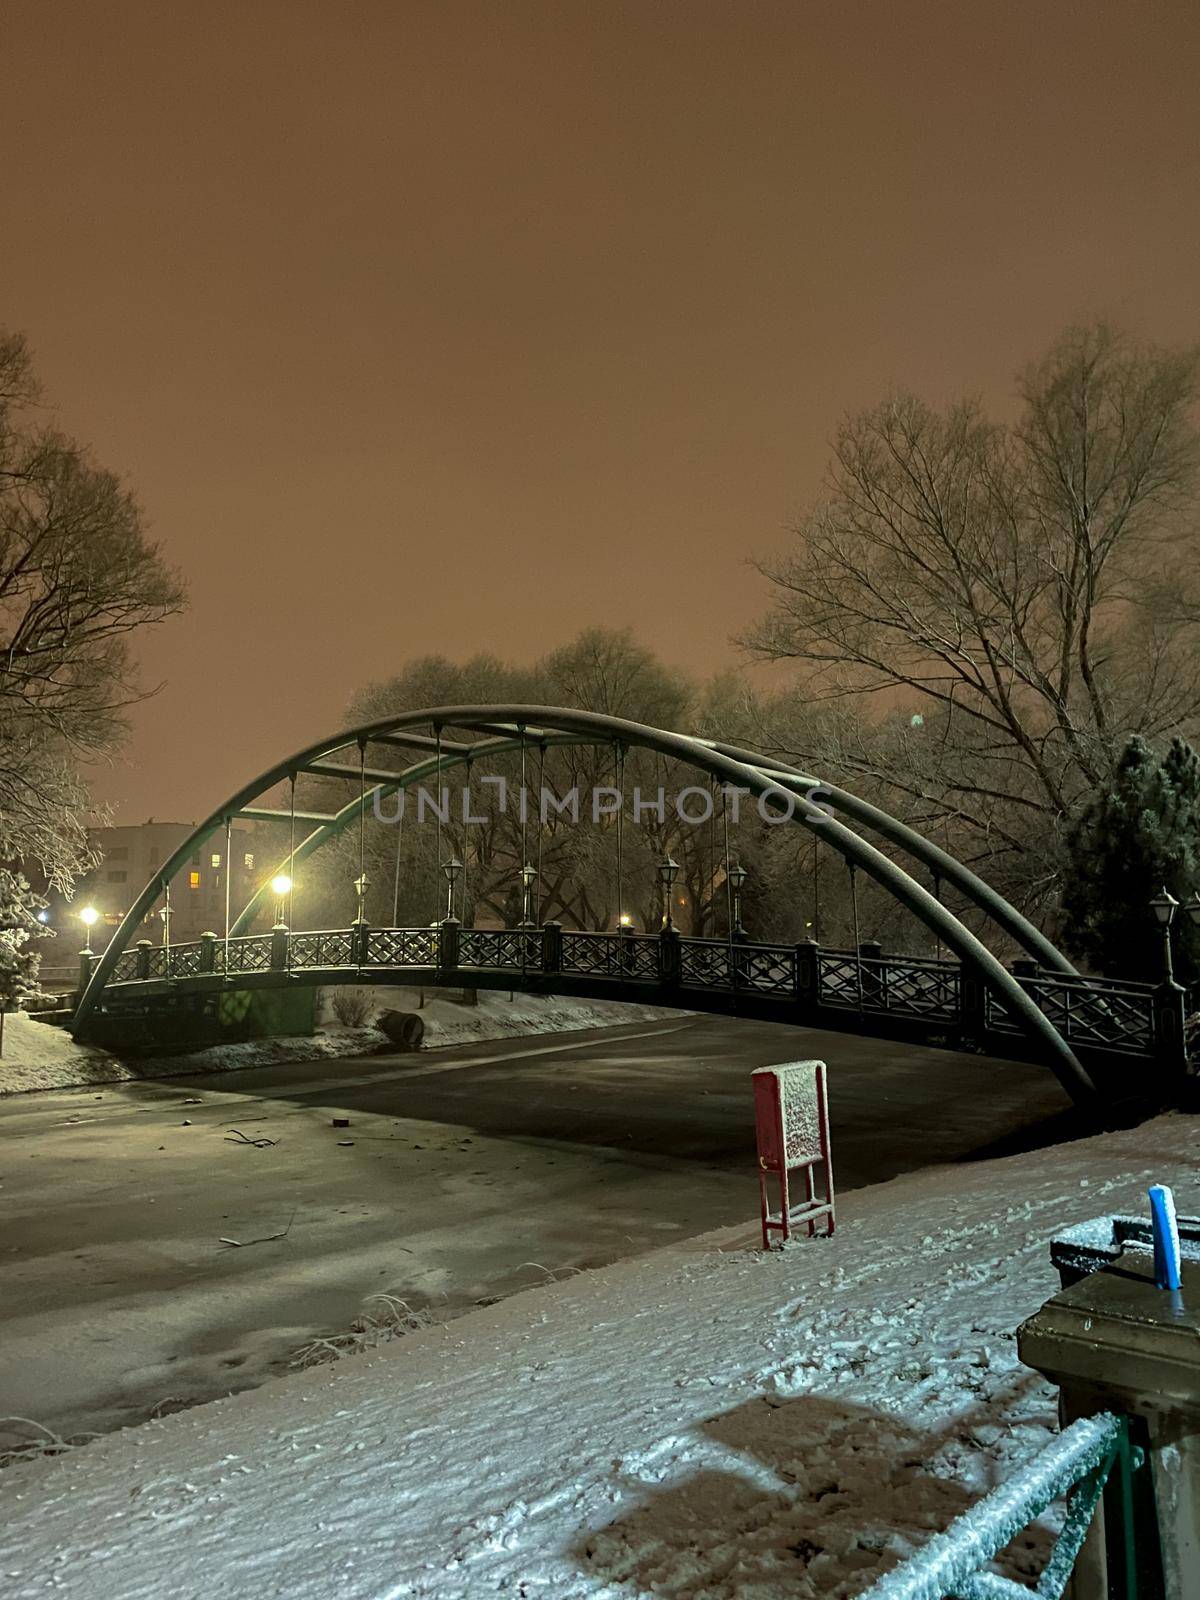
x=1166, y=1237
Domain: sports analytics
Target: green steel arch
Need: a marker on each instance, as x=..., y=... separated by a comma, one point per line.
x=509, y=727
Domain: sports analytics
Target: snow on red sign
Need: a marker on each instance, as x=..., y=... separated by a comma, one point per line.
x=791, y=1122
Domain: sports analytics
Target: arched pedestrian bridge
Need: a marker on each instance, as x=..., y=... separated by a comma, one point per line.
x=1101, y=1037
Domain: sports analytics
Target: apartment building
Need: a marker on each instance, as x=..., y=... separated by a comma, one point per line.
x=131, y=855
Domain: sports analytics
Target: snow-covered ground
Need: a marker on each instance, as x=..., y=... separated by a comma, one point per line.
x=703, y=1422
x=38, y=1056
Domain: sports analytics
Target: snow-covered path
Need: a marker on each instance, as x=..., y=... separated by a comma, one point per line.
x=703, y=1422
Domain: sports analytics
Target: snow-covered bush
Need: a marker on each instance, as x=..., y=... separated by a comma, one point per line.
x=352, y=1007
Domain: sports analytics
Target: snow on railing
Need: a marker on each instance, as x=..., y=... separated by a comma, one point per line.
x=953, y=1563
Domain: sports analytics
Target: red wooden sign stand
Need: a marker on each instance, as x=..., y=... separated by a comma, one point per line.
x=791, y=1123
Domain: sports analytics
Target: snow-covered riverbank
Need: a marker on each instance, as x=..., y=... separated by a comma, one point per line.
x=37, y=1056
x=702, y=1422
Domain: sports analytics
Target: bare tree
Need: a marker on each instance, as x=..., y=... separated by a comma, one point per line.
x=1012, y=600
x=77, y=577
x=602, y=670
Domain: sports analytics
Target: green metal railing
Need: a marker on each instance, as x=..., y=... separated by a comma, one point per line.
x=1091, y=1458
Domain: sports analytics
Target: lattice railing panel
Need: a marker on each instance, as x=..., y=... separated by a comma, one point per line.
x=509, y=949
x=765, y=968
x=402, y=947
x=838, y=978
x=1090, y=1011
x=627, y=957
x=158, y=963
x=334, y=948
x=705, y=962
x=249, y=954
x=184, y=960
x=908, y=985
x=918, y=988
x=125, y=967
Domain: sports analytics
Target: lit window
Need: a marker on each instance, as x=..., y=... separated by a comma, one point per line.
x=193, y=880
x=248, y=861
x=216, y=860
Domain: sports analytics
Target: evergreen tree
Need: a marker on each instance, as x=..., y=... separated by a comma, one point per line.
x=1137, y=836
x=19, y=929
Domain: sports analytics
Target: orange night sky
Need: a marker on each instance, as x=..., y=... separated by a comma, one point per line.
x=459, y=326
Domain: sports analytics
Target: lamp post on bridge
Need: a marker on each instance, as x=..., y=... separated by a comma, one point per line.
x=668, y=871
x=1164, y=907
x=281, y=887
x=361, y=884
x=1170, y=998
x=451, y=868
x=737, y=876
x=87, y=959
x=528, y=879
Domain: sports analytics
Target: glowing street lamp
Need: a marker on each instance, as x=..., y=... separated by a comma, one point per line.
x=88, y=916
x=625, y=920
x=281, y=887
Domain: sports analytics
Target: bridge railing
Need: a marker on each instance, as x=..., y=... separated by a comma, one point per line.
x=625, y=957
x=402, y=947
x=912, y=985
x=1075, y=1467
x=1131, y=1019
x=503, y=949
x=250, y=953
x=1089, y=1011
x=723, y=964
x=335, y=948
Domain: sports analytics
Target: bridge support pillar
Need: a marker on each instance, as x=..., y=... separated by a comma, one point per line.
x=1170, y=1028
x=358, y=941
x=87, y=963
x=447, y=950
x=808, y=973
x=873, y=977
x=279, y=948
x=972, y=1016
x=669, y=958
x=143, y=948
x=552, y=947
x=208, y=952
